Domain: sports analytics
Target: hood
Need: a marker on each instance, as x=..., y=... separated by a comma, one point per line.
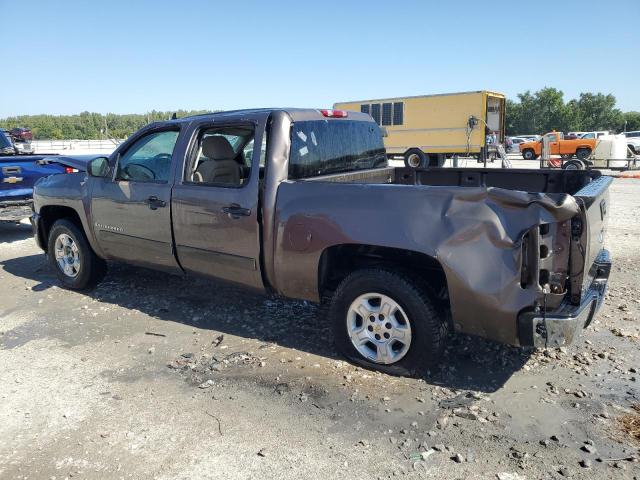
x=76, y=161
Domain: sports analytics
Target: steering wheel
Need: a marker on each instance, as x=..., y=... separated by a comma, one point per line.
x=162, y=156
x=136, y=171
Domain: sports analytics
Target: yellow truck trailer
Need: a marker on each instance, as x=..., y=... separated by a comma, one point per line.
x=426, y=129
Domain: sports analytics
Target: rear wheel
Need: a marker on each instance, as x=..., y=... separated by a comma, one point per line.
x=415, y=158
x=583, y=153
x=385, y=321
x=70, y=255
x=529, y=154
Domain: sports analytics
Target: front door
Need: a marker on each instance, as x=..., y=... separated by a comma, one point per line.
x=131, y=211
x=215, y=204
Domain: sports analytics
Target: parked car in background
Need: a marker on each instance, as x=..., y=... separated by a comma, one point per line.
x=396, y=255
x=18, y=174
x=515, y=144
x=530, y=138
x=6, y=144
x=595, y=135
x=21, y=135
x=633, y=141
x=22, y=138
x=558, y=145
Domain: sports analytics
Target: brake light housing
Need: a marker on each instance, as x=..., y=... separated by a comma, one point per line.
x=334, y=113
x=70, y=170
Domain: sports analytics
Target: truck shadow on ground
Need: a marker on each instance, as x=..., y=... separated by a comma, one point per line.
x=469, y=363
x=13, y=232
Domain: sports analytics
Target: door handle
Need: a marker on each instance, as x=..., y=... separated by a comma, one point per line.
x=155, y=203
x=236, y=211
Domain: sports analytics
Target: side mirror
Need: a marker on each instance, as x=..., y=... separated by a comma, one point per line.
x=384, y=132
x=98, y=167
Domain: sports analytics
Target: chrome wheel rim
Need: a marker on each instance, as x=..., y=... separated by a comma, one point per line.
x=413, y=160
x=67, y=255
x=379, y=328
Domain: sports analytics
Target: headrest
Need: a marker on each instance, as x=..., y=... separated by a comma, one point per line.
x=217, y=147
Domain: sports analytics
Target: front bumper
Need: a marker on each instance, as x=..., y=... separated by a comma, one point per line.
x=563, y=325
x=36, y=225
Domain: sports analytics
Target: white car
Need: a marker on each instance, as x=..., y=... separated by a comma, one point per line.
x=633, y=141
x=596, y=134
x=24, y=148
x=515, y=144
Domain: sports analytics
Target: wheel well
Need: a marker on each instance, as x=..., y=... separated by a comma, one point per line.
x=49, y=215
x=340, y=260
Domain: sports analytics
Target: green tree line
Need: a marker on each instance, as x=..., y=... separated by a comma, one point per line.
x=546, y=110
x=532, y=113
x=88, y=125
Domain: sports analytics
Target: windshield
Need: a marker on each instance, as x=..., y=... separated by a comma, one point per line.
x=324, y=147
x=4, y=141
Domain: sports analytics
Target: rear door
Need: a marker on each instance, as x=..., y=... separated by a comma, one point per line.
x=131, y=210
x=216, y=219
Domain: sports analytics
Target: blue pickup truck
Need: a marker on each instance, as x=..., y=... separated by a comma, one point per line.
x=18, y=174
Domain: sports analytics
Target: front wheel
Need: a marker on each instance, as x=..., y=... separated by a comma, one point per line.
x=385, y=321
x=70, y=255
x=529, y=154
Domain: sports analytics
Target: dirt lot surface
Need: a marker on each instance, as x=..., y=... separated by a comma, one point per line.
x=155, y=376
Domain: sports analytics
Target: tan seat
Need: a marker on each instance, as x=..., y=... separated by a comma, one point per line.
x=220, y=165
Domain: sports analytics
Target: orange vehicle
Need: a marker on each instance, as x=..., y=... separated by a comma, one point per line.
x=580, y=147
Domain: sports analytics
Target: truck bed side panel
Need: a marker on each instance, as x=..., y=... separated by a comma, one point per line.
x=475, y=234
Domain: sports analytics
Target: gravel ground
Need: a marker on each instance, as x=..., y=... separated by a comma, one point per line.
x=155, y=376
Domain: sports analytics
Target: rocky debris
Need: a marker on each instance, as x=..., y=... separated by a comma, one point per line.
x=509, y=476
x=207, y=384
x=585, y=463
x=458, y=458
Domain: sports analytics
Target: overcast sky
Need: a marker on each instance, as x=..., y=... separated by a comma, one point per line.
x=67, y=56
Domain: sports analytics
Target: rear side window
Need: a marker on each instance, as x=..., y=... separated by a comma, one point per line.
x=364, y=108
x=334, y=146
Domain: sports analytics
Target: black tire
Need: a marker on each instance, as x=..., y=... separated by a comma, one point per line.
x=529, y=154
x=583, y=153
x=415, y=158
x=427, y=322
x=573, y=165
x=92, y=268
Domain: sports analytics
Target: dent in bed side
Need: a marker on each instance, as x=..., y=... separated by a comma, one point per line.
x=475, y=234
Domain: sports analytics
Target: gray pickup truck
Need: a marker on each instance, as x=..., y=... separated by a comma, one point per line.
x=302, y=203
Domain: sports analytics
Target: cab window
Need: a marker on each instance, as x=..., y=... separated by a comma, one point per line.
x=149, y=158
x=222, y=157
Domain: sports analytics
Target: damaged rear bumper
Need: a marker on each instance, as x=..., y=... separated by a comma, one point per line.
x=563, y=325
